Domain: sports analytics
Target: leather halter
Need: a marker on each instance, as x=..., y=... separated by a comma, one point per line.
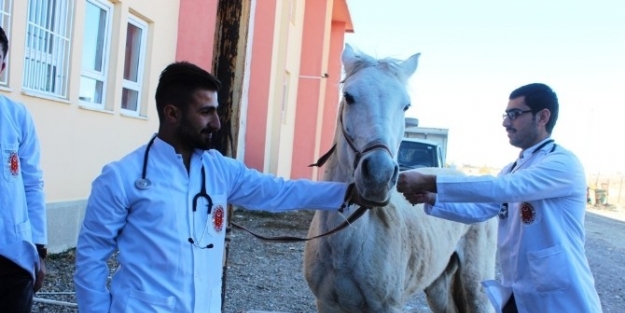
x=349, y=194
x=369, y=147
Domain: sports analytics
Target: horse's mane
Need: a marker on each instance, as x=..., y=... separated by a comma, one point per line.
x=390, y=65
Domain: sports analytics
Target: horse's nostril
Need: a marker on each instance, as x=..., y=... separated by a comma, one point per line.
x=395, y=174
x=365, y=166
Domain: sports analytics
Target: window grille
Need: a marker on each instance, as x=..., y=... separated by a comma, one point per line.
x=5, y=22
x=46, y=57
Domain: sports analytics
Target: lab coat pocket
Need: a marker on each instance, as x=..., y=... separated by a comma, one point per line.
x=23, y=230
x=549, y=269
x=10, y=162
x=140, y=301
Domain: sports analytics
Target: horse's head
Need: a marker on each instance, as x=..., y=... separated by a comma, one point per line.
x=371, y=119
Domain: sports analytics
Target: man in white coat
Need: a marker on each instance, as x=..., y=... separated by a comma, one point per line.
x=163, y=207
x=540, y=201
x=23, y=230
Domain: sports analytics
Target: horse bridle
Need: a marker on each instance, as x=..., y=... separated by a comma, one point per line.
x=349, y=194
x=369, y=147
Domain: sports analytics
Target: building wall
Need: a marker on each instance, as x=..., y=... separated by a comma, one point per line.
x=328, y=123
x=289, y=49
x=196, y=30
x=77, y=140
x=318, y=99
x=294, y=43
x=312, y=87
x=260, y=84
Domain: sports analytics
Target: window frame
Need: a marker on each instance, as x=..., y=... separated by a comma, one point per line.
x=93, y=74
x=138, y=85
x=47, y=70
x=5, y=22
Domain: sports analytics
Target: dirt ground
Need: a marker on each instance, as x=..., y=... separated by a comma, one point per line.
x=273, y=279
x=267, y=276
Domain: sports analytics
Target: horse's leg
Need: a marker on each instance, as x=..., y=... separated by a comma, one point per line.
x=438, y=294
x=478, y=264
x=323, y=307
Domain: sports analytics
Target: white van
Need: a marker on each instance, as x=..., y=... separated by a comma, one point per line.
x=416, y=153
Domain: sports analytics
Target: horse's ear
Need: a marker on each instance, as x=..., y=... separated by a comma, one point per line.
x=409, y=66
x=348, y=57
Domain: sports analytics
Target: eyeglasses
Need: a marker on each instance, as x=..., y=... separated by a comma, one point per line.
x=513, y=114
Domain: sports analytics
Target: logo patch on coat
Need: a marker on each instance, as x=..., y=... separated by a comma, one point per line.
x=14, y=163
x=528, y=214
x=218, y=219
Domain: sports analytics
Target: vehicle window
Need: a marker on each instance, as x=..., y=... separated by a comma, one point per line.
x=415, y=155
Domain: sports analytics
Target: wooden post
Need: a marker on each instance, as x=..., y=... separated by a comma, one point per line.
x=229, y=66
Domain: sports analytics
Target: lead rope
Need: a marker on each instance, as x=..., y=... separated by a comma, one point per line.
x=347, y=201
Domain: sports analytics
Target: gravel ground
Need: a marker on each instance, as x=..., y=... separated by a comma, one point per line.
x=267, y=276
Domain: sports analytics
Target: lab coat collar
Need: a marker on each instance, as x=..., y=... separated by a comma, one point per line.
x=165, y=148
x=529, y=151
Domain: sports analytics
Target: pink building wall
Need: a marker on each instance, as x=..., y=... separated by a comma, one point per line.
x=260, y=75
x=196, y=32
x=309, y=89
x=332, y=97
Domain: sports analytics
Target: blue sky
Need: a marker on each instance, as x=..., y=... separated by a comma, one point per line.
x=474, y=53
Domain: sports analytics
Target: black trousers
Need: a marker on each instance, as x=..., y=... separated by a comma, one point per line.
x=16, y=288
x=510, y=307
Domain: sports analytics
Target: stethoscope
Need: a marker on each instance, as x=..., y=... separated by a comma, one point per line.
x=144, y=183
x=503, y=210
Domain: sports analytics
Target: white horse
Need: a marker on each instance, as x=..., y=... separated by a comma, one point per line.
x=394, y=250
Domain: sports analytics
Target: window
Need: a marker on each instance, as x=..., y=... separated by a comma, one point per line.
x=95, y=53
x=5, y=22
x=46, y=57
x=136, y=34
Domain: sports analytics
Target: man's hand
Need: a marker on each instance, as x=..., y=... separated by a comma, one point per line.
x=41, y=274
x=413, y=182
x=424, y=197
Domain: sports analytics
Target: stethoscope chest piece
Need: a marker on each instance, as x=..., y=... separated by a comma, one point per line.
x=143, y=183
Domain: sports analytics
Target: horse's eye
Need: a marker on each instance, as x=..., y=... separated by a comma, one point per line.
x=349, y=98
x=406, y=107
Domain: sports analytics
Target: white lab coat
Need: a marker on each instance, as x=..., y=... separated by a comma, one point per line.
x=22, y=199
x=160, y=271
x=541, y=242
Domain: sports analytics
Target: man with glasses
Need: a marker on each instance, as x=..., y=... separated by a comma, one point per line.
x=540, y=201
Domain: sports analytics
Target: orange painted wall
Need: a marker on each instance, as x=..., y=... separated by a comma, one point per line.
x=196, y=32
x=309, y=89
x=332, y=97
x=260, y=75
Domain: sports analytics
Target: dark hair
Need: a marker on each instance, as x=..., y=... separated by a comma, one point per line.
x=4, y=41
x=178, y=82
x=537, y=97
